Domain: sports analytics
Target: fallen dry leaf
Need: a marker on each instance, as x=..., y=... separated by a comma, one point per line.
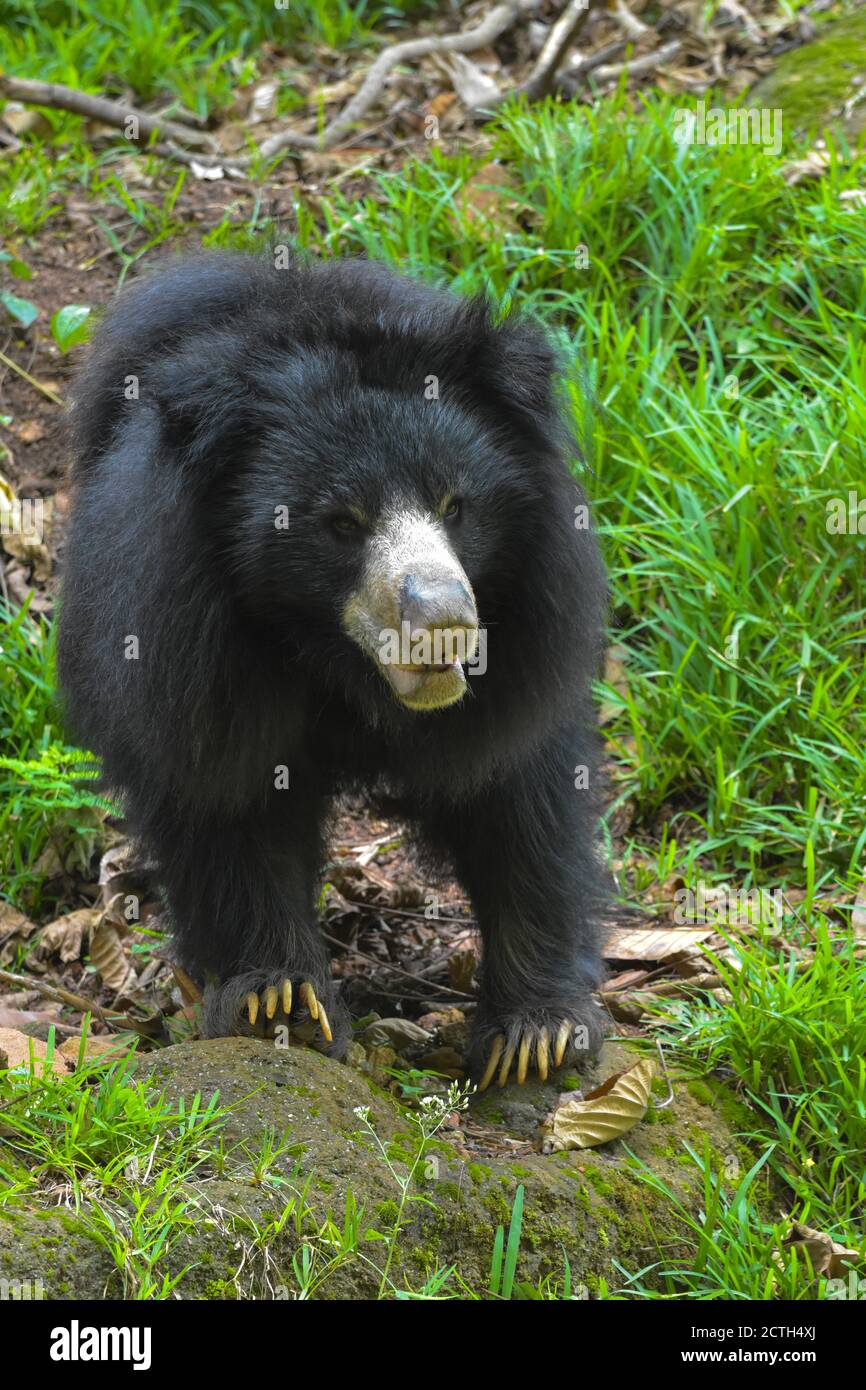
x=206, y=171
x=438, y=105
x=67, y=936
x=31, y=431
x=109, y=958
x=24, y=533
x=263, y=102
x=653, y=943
x=14, y=928
x=814, y=166
x=462, y=967
x=473, y=86
x=827, y=1256
x=606, y=1113
x=625, y=1006
x=616, y=676
x=625, y=979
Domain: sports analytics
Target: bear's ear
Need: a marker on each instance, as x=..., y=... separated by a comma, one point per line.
x=518, y=367
x=205, y=407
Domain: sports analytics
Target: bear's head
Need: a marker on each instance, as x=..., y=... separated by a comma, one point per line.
x=397, y=518
x=386, y=485
x=388, y=519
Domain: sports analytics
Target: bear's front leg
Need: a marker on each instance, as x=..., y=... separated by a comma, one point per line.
x=241, y=897
x=525, y=851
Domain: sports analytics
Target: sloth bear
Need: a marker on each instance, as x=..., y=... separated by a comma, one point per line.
x=324, y=540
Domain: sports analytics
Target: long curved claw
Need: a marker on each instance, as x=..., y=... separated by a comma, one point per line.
x=307, y=996
x=541, y=1054
x=325, y=1025
x=506, y=1066
x=561, y=1044
x=522, y=1059
x=492, y=1061
x=265, y=1004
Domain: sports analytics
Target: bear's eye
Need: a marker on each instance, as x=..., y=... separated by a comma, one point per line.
x=452, y=508
x=345, y=524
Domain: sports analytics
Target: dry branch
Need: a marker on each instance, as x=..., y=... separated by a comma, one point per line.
x=491, y=28
x=114, y=113
x=633, y=27
x=636, y=67
x=552, y=56
x=60, y=996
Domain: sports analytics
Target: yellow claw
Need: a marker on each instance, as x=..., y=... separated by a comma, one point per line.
x=325, y=1025
x=506, y=1066
x=541, y=1054
x=493, y=1062
x=522, y=1060
x=270, y=1001
x=561, y=1043
x=252, y=1007
x=308, y=996
x=287, y=997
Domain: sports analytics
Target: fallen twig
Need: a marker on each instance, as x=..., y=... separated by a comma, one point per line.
x=491, y=28
x=62, y=996
x=542, y=78
x=40, y=386
x=571, y=78
x=562, y=35
x=114, y=113
x=381, y=965
x=628, y=22
x=636, y=67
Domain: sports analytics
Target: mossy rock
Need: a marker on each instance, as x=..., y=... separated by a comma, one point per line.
x=812, y=84
x=48, y=1254
x=588, y=1206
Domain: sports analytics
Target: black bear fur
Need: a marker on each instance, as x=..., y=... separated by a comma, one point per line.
x=218, y=389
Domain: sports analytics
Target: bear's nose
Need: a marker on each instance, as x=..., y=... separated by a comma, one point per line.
x=436, y=603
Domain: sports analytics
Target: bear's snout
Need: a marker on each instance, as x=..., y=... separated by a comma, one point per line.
x=444, y=609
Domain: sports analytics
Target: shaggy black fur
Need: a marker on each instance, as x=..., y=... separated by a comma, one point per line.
x=221, y=388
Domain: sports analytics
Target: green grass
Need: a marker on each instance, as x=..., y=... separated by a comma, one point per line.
x=792, y=1040
x=44, y=802
x=794, y=1037
x=123, y=1155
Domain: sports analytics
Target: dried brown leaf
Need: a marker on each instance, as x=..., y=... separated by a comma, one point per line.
x=607, y=1113
x=827, y=1256
x=109, y=958
x=67, y=936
